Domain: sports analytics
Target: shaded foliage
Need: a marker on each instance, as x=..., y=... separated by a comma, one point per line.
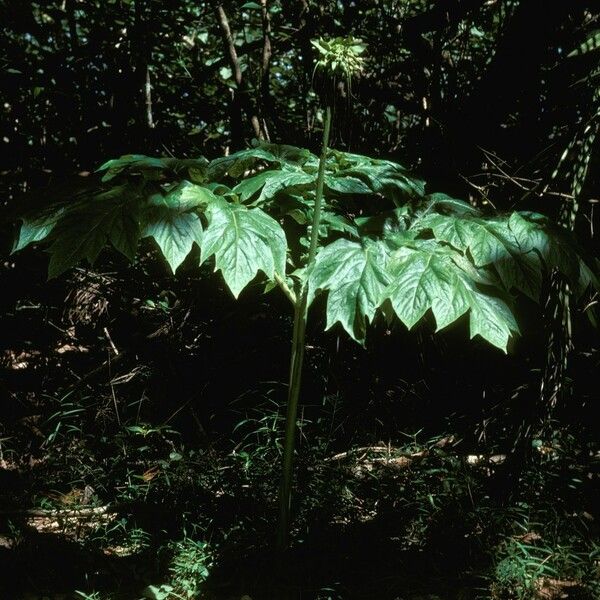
x=116, y=381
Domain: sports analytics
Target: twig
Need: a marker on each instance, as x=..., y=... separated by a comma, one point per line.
x=480, y=189
x=97, y=371
x=112, y=344
x=509, y=177
x=112, y=390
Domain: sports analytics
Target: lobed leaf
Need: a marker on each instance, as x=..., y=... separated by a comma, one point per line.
x=170, y=221
x=535, y=234
x=138, y=161
x=235, y=165
x=354, y=275
x=250, y=186
x=82, y=232
x=480, y=237
x=286, y=180
x=175, y=233
x=446, y=203
x=35, y=230
x=430, y=253
x=424, y=279
x=520, y=248
x=288, y=153
x=243, y=241
x=346, y=185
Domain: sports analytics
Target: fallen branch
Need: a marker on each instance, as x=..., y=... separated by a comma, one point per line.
x=375, y=449
x=395, y=458
x=81, y=513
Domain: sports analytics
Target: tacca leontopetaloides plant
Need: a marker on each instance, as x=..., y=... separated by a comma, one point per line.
x=361, y=231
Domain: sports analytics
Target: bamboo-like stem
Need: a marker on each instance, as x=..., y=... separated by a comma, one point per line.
x=300, y=314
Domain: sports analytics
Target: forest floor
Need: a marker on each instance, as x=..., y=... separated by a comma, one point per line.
x=122, y=476
x=403, y=531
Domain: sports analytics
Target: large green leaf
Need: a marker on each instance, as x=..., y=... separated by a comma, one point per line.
x=490, y=242
x=175, y=234
x=188, y=196
x=424, y=279
x=383, y=177
x=35, y=230
x=348, y=160
x=388, y=180
x=331, y=221
x=169, y=221
x=442, y=202
x=138, y=160
x=288, y=180
x=244, y=241
x=491, y=318
x=523, y=272
x=248, y=187
x=109, y=217
x=346, y=185
x=431, y=253
x=354, y=275
x=235, y=165
x=131, y=161
x=535, y=234
x=480, y=237
x=288, y=153
x=156, y=169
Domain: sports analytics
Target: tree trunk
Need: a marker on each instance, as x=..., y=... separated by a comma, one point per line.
x=265, y=72
x=240, y=100
x=143, y=55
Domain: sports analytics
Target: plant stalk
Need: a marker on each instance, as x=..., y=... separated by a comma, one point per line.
x=297, y=359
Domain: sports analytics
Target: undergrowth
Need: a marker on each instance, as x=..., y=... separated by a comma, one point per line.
x=185, y=483
x=189, y=515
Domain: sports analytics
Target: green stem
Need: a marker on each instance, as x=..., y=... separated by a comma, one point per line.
x=300, y=317
x=285, y=288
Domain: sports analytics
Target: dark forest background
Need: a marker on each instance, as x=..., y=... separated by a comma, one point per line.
x=429, y=467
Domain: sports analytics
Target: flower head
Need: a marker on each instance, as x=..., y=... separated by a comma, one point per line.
x=340, y=58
